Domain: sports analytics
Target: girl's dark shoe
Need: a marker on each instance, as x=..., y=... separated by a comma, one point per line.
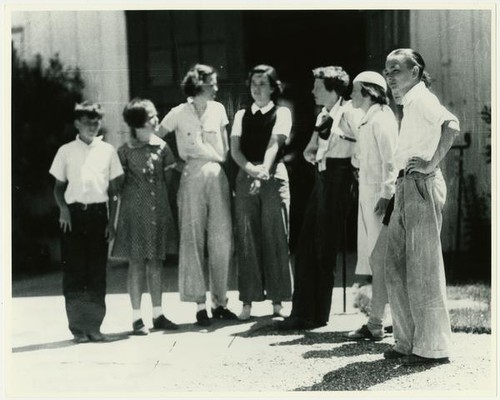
x=139, y=328
x=202, y=318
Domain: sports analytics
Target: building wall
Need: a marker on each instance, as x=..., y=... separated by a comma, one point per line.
x=454, y=43
x=95, y=42
x=456, y=46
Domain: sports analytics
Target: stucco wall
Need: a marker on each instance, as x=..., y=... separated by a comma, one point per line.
x=94, y=41
x=456, y=46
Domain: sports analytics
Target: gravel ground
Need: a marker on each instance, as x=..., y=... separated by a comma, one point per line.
x=228, y=359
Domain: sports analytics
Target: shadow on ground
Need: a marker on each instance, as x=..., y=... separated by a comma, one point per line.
x=214, y=326
x=349, y=350
x=363, y=375
x=110, y=337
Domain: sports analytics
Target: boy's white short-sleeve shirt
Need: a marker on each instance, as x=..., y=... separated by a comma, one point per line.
x=87, y=169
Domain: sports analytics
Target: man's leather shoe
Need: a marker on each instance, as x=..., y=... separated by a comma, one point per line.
x=414, y=360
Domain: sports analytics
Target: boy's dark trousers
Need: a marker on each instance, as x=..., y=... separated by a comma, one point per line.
x=320, y=240
x=84, y=253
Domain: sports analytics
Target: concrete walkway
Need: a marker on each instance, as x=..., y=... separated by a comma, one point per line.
x=229, y=359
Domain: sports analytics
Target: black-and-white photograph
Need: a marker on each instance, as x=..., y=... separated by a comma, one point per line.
x=249, y=202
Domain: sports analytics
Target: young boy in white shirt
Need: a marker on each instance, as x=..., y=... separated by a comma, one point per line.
x=86, y=171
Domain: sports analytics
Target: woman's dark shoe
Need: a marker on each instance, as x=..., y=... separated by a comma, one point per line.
x=164, y=323
x=223, y=313
x=202, y=318
x=139, y=328
x=295, y=323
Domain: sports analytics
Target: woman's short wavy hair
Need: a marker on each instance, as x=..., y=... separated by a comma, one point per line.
x=334, y=78
x=195, y=78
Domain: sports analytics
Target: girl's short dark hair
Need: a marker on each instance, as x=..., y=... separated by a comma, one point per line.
x=195, y=78
x=413, y=58
x=137, y=113
x=376, y=92
x=272, y=76
x=334, y=78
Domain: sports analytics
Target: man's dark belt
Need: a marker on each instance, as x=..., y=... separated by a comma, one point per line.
x=337, y=162
x=86, y=207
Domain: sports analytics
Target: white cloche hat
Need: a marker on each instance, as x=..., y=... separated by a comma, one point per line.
x=371, y=77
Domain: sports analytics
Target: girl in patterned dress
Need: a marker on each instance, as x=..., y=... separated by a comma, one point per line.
x=146, y=230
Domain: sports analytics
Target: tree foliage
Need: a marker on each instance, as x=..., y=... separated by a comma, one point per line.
x=43, y=98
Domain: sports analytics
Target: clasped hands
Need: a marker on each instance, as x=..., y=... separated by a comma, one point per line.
x=258, y=172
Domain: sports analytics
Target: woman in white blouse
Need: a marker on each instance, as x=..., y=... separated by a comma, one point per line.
x=262, y=194
x=377, y=138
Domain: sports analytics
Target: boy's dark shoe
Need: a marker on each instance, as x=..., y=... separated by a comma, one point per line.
x=364, y=333
x=202, y=318
x=391, y=354
x=139, y=328
x=97, y=337
x=223, y=313
x=80, y=338
x=414, y=360
x=164, y=323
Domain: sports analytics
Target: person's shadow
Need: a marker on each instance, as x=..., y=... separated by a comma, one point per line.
x=110, y=337
x=363, y=375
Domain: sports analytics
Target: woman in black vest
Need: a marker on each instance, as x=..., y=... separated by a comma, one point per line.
x=262, y=194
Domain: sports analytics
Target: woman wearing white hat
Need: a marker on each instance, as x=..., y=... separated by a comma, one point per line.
x=377, y=176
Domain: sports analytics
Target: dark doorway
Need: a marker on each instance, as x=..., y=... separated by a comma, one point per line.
x=163, y=44
x=295, y=42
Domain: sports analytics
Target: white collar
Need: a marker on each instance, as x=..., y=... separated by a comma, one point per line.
x=264, y=109
x=94, y=142
x=372, y=110
x=414, y=93
x=334, y=109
